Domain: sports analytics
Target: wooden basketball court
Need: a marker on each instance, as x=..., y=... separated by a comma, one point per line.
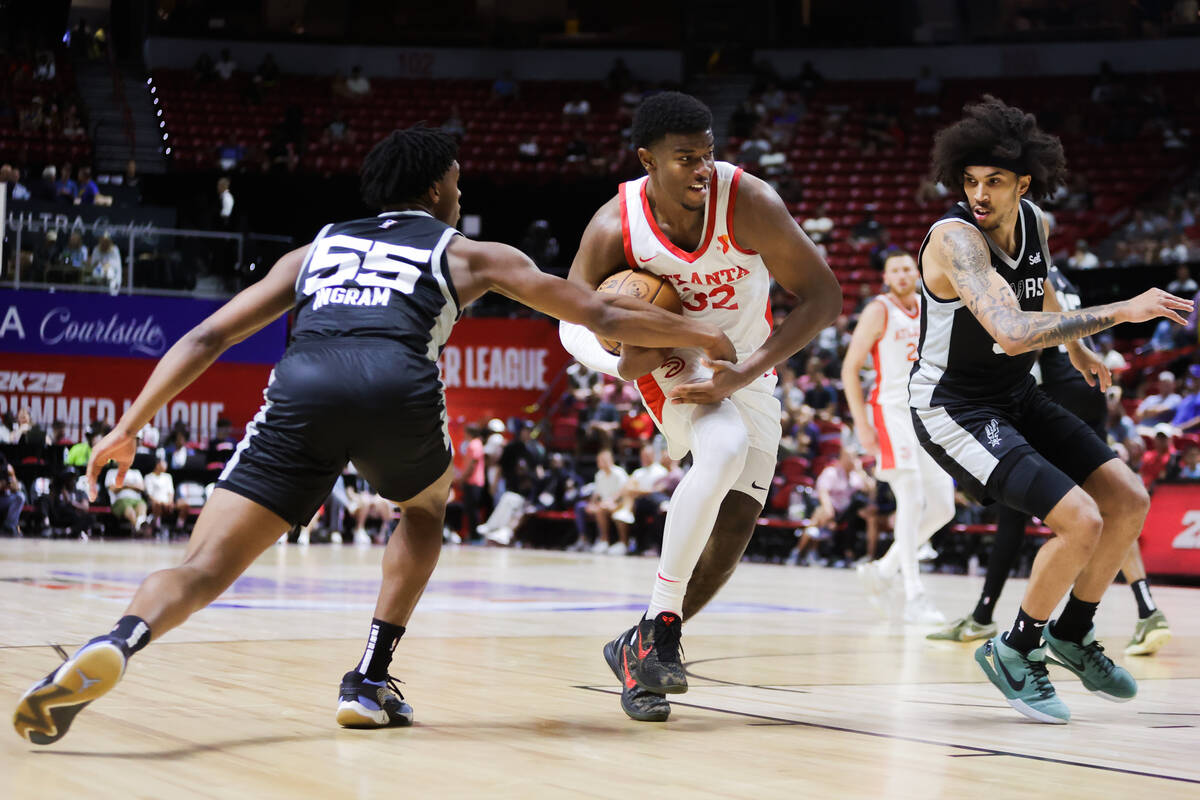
x=798, y=688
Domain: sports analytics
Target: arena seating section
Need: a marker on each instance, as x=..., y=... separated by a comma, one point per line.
x=37, y=147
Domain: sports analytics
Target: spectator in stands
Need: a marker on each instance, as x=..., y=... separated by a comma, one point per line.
x=1183, y=285
x=643, y=482
x=66, y=507
x=577, y=151
x=930, y=191
x=204, y=70
x=454, y=124
x=357, y=84
x=819, y=391
x=8, y=422
x=637, y=427
x=222, y=444
x=104, y=265
x=79, y=453
x=819, y=226
x=1189, y=464
x=1082, y=258
x=559, y=487
x=1175, y=251
x=505, y=89
x=224, y=216
x=225, y=66
x=72, y=125
x=473, y=477
x=867, y=231
x=33, y=118
x=576, y=110
x=10, y=176
x=87, y=192
x=365, y=504
x=1140, y=227
x=1119, y=426
x=610, y=480
x=1159, y=407
x=129, y=502
x=598, y=422
x=12, y=499
x=754, y=148
x=1158, y=459
x=540, y=244
x=45, y=190
x=75, y=256
x=160, y=489
x=178, y=451
x=1187, y=413
x=844, y=492
x=65, y=189
x=522, y=461
x=1112, y=358
x=45, y=68
x=528, y=150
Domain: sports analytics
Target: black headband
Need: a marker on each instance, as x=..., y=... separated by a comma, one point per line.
x=982, y=158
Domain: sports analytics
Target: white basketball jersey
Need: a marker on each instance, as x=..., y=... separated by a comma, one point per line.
x=895, y=353
x=720, y=282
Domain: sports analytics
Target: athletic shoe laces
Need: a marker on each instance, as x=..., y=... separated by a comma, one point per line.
x=666, y=641
x=1041, y=678
x=1094, y=653
x=394, y=685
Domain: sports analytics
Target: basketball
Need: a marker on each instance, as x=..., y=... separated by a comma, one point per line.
x=644, y=286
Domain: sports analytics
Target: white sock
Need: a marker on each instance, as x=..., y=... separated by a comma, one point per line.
x=719, y=444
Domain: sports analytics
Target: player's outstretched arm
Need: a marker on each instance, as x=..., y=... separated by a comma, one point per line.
x=761, y=222
x=498, y=267
x=871, y=324
x=248, y=312
x=959, y=260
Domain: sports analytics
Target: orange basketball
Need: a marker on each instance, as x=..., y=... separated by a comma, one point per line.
x=644, y=286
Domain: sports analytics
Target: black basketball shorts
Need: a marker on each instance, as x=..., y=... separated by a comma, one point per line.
x=1026, y=452
x=325, y=406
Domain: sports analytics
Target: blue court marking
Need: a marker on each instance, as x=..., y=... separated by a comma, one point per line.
x=478, y=596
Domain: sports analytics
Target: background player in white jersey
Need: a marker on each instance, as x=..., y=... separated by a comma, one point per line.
x=679, y=221
x=889, y=330
x=979, y=413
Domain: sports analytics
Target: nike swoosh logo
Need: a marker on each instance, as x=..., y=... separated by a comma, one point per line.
x=642, y=653
x=1080, y=666
x=647, y=260
x=1007, y=675
x=754, y=484
x=629, y=681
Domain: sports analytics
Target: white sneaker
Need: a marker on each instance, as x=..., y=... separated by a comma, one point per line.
x=600, y=547
x=920, y=611
x=926, y=552
x=303, y=537
x=623, y=515
x=335, y=537
x=500, y=536
x=282, y=539
x=361, y=537
x=616, y=549
x=451, y=536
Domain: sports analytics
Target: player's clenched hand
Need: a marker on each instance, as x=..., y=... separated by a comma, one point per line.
x=721, y=349
x=1091, y=367
x=868, y=439
x=117, y=446
x=726, y=379
x=1155, y=303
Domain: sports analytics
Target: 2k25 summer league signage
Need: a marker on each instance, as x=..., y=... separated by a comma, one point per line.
x=1171, y=536
x=80, y=357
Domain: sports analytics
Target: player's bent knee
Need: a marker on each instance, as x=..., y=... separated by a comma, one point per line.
x=1077, y=521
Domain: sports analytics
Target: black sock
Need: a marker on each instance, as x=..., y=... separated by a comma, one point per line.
x=1141, y=593
x=1075, y=620
x=983, y=610
x=380, y=644
x=1026, y=633
x=133, y=632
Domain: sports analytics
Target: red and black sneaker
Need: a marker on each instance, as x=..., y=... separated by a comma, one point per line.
x=638, y=703
x=651, y=655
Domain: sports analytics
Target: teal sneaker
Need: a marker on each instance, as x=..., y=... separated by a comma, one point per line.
x=1022, y=680
x=964, y=630
x=1087, y=660
x=1149, y=636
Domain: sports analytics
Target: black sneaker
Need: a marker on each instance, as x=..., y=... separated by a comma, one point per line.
x=46, y=710
x=638, y=703
x=652, y=655
x=365, y=704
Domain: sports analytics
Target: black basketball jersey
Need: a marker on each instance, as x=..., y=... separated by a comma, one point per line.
x=959, y=361
x=380, y=280
x=1054, y=363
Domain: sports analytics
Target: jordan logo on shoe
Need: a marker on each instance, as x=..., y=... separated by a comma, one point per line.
x=86, y=680
x=1017, y=686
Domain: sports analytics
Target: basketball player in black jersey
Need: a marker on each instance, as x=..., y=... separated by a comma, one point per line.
x=1067, y=387
x=375, y=301
x=979, y=413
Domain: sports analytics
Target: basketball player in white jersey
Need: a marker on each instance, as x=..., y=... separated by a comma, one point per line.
x=889, y=330
x=719, y=237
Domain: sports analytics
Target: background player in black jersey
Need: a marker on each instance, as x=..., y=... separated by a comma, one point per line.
x=376, y=300
x=1067, y=387
x=978, y=412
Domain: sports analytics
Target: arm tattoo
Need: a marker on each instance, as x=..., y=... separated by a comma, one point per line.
x=993, y=303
